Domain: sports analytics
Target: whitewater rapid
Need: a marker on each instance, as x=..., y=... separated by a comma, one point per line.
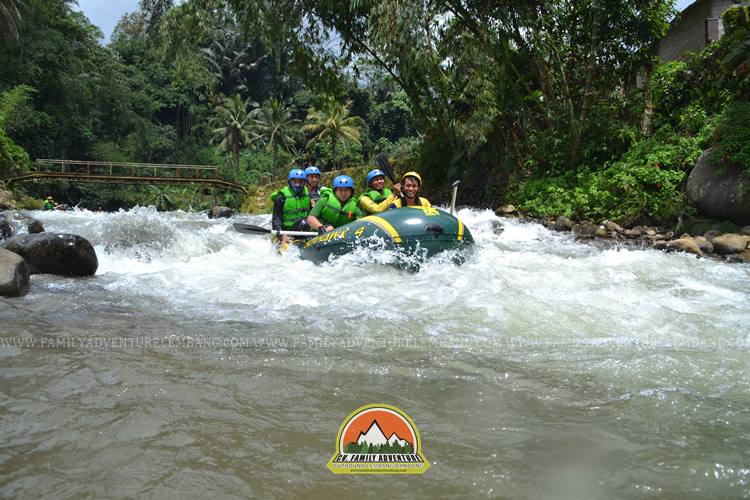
x=536, y=346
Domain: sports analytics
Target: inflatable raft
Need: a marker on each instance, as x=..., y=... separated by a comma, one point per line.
x=412, y=233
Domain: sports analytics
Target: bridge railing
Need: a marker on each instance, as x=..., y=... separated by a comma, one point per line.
x=135, y=170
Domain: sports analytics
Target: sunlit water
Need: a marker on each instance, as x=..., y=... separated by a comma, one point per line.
x=540, y=368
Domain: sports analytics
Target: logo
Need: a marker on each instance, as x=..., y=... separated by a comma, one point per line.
x=378, y=439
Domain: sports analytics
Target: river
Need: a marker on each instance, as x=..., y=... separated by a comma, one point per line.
x=199, y=363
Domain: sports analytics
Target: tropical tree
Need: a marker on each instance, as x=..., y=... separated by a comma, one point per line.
x=231, y=61
x=332, y=121
x=159, y=198
x=277, y=126
x=154, y=11
x=10, y=16
x=235, y=126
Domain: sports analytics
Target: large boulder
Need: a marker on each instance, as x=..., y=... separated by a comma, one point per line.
x=730, y=243
x=688, y=245
x=562, y=223
x=51, y=253
x=6, y=200
x=34, y=226
x=220, y=212
x=721, y=192
x=14, y=274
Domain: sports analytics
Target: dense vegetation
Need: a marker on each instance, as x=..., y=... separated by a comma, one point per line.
x=532, y=102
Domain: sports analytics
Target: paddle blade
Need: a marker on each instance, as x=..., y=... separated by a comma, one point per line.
x=250, y=229
x=385, y=166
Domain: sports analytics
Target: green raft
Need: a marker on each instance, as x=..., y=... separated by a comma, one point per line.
x=412, y=233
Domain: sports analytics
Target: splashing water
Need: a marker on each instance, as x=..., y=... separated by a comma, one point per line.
x=200, y=361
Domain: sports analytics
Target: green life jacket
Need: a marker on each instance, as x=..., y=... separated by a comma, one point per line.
x=334, y=214
x=296, y=206
x=376, y=196
x=322, y=191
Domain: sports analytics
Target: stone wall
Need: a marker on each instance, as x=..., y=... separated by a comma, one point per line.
x=695, y=26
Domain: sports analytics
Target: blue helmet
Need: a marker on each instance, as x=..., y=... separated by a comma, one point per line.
x=343, y=181
x=374, y=173
x=297, y=173
x=312, y=169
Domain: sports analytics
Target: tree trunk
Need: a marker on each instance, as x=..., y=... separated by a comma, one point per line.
x=333, y=152
x=276, y=159
x=587, y=93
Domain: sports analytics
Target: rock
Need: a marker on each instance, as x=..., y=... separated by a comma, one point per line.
x=585, y=230
x=613, y=226
x=669, y=235
x=6, y=200
x=601, y=232
x=745, y=231
x=506, y=210
x=735, y=258
x=6, y=230
x=220, y=213
x=650, y=232
x=14, y=274
x=685, y=235
x=720, y=191
x=705, y=245
x=562, y=223
x=713, y=233
x=685, y=245
x=35, y=227
x=632, y=233
x=497, y=227
x=745, y=255
x=660, y=245
x=730, y=243
x=51, y=253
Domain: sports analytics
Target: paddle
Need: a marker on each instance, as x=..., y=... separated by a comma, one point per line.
x=385, y=166
x=250, y=229
x=454, y=192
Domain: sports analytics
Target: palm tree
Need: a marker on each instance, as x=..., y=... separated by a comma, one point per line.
x=159, y=198
x=10, y=16
x=276, y=125
x=332, y=121
x=235, y=126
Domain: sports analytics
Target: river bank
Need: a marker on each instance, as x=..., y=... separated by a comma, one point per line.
x=711, y=238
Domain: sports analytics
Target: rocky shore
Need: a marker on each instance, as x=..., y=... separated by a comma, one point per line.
x=732, y=247
x=36, y=251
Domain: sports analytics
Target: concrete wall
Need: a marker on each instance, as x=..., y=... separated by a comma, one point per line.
x=699, y=23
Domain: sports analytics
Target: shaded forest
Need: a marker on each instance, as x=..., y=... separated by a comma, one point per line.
x=535, y=103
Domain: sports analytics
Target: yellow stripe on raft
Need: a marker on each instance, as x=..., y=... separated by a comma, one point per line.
x=384, y=225
x=460, y=230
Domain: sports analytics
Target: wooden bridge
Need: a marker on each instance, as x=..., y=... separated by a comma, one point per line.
x=126, y=173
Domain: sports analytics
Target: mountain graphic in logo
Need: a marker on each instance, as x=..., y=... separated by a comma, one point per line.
x=374, y=441
x=378, y=439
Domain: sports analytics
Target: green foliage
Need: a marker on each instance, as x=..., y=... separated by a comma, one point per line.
x=736, y=18
x=276, y=126
x=13, y=158
x=732, y=137
x=26, y=202
x=331, y=121
x=235, y=126
x=10, y=17
x=645, y=184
